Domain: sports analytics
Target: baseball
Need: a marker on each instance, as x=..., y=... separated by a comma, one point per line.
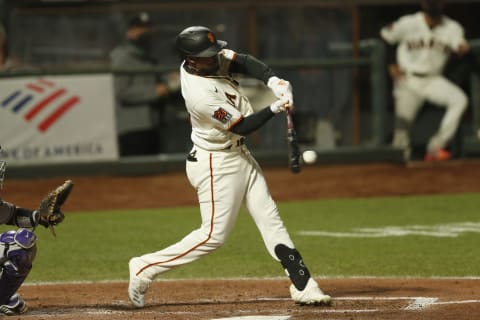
x=309, y=156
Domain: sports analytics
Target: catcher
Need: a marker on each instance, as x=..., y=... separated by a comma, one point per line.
x=17, y=247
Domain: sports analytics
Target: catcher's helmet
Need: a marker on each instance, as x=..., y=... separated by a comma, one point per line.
x=198, y=41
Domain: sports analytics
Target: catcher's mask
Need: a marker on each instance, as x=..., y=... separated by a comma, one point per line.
x=3, y=167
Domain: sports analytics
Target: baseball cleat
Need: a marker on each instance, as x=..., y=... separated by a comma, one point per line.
x=439, y=155
x=311, y=295
x=15, y=306
x=137, y=286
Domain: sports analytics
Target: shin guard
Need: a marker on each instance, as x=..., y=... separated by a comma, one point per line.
x=292, y=262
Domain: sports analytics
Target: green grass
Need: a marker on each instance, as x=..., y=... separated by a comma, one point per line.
x=97, y=245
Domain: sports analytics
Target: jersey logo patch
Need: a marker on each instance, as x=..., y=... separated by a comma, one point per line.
x=222, y=115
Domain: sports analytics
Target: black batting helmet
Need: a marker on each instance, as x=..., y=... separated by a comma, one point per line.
x=198, y=41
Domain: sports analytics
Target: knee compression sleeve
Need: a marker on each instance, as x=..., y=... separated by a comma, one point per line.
x=292, y=262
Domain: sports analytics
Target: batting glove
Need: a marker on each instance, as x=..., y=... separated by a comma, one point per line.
x=281, y=89
x=279, y=106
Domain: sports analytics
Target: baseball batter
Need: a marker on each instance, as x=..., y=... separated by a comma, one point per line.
x=220, y=167
x=425, y=41
x=18, y=248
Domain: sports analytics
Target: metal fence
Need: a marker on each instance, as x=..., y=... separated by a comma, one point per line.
x=340, y=83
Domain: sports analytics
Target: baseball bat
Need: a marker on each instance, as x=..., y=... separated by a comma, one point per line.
x=293, y=149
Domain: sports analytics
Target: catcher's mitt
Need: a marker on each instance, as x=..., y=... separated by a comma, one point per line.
x=50, y=213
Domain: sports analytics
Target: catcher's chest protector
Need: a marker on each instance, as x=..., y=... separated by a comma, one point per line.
x=14, y=243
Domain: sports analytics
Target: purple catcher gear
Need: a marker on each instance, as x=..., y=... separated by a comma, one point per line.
x=15, y=306
x=17, y=252
x=22, y=237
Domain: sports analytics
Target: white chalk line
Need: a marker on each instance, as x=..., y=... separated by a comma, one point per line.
x=118, y=281
x=416, y=304
x=457, y=302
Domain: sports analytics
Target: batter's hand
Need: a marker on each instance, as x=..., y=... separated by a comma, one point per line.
x=281, y=89
x=280, y=105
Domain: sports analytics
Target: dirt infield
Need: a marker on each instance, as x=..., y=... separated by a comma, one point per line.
x=260, y=299
x=201, y=299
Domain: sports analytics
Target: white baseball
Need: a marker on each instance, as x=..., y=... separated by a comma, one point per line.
x=309, y=156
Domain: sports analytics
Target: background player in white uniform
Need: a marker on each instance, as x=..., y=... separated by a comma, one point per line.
x=220, y=167
x=425, y=41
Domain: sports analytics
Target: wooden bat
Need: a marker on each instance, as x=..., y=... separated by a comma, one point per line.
x=293, y=150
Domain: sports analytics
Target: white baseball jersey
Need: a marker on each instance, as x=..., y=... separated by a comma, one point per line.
x=422, y=49
x=422, y=53
x=222, y=171
x=215, y=104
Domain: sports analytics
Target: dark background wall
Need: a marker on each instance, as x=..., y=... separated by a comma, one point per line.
x=80, y=35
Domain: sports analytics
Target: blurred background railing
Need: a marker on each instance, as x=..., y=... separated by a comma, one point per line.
x=329, y=50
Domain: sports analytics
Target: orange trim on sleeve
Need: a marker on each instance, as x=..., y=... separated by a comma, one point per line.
x=209, y=233
x=235, y=123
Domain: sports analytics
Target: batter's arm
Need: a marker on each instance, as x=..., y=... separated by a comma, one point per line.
x=16, y=216
x=251, y=66
x=254, y=121
x=390, y=55
x=251, y=123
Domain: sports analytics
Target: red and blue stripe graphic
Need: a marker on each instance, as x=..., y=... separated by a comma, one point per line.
x=35, y=97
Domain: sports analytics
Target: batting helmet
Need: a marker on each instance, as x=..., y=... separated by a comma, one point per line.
x=198, y=41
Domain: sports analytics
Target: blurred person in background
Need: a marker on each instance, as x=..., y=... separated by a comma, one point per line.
x=3, y=44
x=9, y=62
x=140, y=97
x=425, y=41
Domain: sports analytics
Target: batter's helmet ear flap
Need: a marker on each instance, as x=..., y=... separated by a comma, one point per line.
x=199, y=42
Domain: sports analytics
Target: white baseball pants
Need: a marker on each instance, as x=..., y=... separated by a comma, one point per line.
x=224, y=180
x=412, y=91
